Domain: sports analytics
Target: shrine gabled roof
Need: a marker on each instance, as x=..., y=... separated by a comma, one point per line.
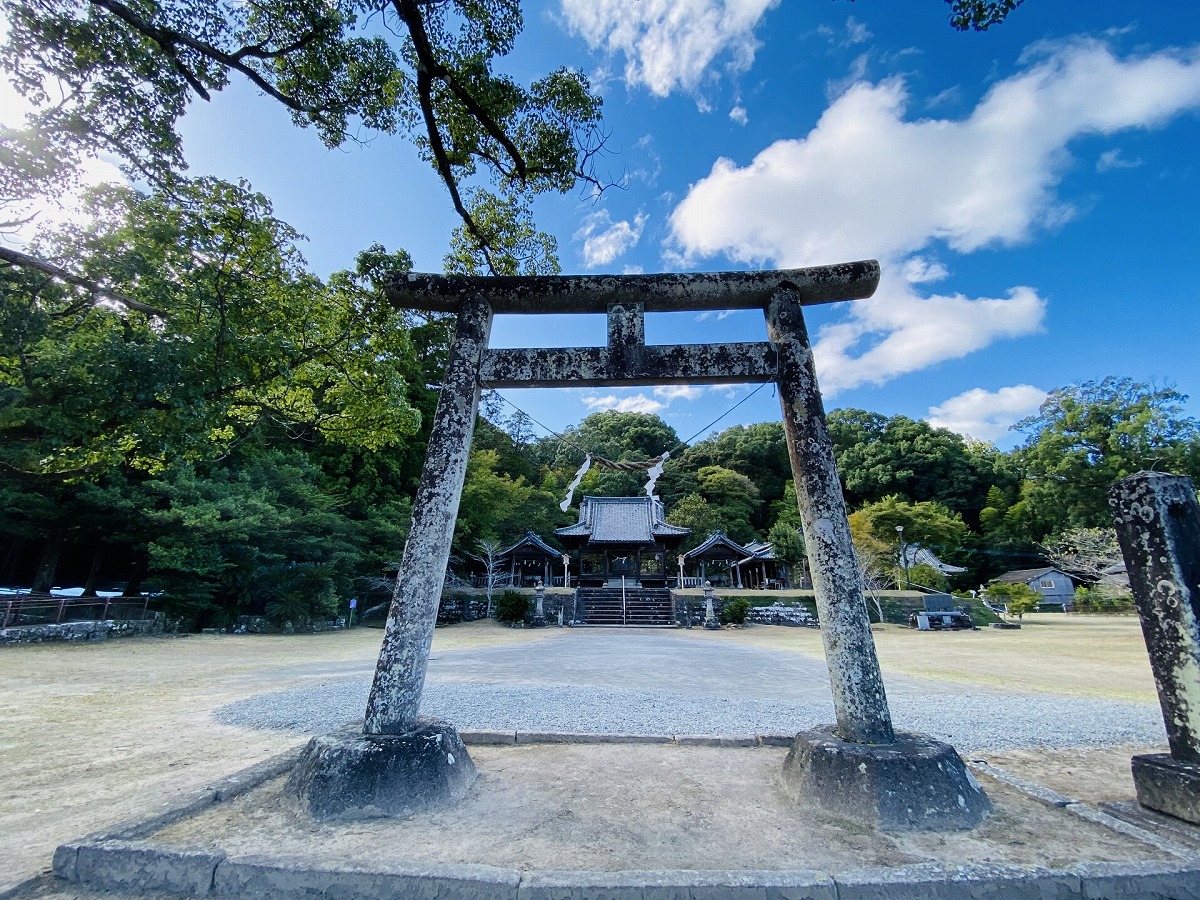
x=917, y=555
x=532, y=541
x=1022, y=576
x=717, y=546
x=760, y=551
x=621, y=520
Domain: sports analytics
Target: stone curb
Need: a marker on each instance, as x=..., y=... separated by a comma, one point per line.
x=1082, y=810
x=1085, y=812
x=257, y=876
x=66, y=855
x=1028, y=788
x=151, y=867
x=567, y=737
x=118, y=859
x=498, y=738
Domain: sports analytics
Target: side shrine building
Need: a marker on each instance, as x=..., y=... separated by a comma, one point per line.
x=622, y=537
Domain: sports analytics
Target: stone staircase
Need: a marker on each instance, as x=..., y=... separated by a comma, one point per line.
x=640, y=608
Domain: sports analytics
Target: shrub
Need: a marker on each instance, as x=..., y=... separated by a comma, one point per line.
x=734, y=611
x=298, y=592
x=1018, y=599
x=926, y=576
x=511, y=607
x=1090, y=600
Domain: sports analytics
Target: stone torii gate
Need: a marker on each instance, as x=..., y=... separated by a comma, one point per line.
x=401, y=763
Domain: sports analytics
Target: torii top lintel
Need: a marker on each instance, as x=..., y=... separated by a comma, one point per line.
x=656, y=293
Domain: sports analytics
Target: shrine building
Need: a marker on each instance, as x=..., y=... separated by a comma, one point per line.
x=622, y=538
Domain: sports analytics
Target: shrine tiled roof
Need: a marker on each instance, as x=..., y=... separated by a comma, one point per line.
x=621, y=520
x=760, y=551
x=916, y=555
x=717, y=546
x=531, y=542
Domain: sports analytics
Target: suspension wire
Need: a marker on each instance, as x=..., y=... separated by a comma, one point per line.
x=630, y=466
x=721, y=416
x=543, y=425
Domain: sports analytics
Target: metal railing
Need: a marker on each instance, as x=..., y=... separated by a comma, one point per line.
x=44, y=609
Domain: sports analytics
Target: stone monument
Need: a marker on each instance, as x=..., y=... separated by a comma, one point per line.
x=1158, y=526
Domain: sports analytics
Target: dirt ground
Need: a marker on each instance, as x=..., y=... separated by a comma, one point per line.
x=635, y=807
x=93, y=735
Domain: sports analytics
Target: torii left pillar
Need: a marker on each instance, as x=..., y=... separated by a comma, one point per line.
x=401, y=763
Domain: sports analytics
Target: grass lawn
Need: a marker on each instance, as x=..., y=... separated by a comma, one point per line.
x=1099, y=656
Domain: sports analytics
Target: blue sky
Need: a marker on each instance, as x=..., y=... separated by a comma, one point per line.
x=1031, y=192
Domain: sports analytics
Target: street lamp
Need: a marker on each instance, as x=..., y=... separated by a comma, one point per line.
x=903, y=555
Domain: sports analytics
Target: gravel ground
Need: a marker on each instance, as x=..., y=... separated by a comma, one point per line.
x=969, y=721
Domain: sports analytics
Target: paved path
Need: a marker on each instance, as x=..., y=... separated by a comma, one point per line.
x=652, y=659
x=668, y=682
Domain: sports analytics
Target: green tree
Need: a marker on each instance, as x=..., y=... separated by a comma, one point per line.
x=213, y=343
x=929, y=524
x=1087, y=436
x=694, y=512
x=221, y=535
x=298, y=593
x=498, y=507
x=758, y=452
x=239, y=333
x=922, y=575
x=125, y=73
x=787, y=543
x=878, y=456
x=617, y=436
x=980, y=15
x=732, y=497
x=787, y=510
x=1017, y=599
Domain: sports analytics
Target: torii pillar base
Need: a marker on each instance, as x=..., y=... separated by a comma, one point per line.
x=1168, y=785
x=348, y=775
x=913, y=784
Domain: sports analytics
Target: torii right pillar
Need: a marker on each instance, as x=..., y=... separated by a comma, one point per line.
x=861, y=768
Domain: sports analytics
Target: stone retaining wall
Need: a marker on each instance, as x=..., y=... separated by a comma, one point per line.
x=76, y=632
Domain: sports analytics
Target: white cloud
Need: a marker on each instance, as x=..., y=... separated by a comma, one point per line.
x=856, y=31
x=987, y=415
x=1112, y=159
x=868, y=181
x=670, y=44
x=739, y=115
x=920, y=269
x=900, y=331
x=679, y=392
x=604, y=240
x=637, y=403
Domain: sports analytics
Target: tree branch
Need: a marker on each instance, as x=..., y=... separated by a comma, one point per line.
x=25, y=261
x=427, y=59
x=167, y=39
x=442, y=161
